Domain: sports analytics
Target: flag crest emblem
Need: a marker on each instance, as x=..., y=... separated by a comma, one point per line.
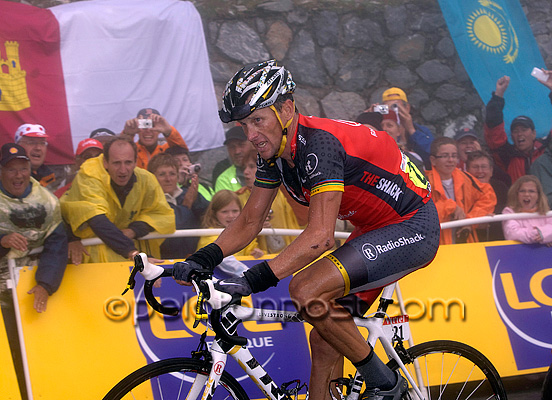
x=13, y=86
x=490, y=29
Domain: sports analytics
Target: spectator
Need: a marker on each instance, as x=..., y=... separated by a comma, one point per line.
x=188, y=174
x=281, y=215
x=542, y=166
x=102, y=135
x=515, y=159
x=457, y=194
x=87, y=148
x=480, y=165
x=32, y=138
x=148, y=124
x=526, y=195
x=112, y=199
x=188, y=211
x=231, y=177
x=466, y=142
x=418, y=137
x=29, y=218
x=223, y=209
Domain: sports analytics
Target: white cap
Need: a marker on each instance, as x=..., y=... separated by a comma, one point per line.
x=30, y=130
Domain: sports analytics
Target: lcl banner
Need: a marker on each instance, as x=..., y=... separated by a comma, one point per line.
x=496, y=297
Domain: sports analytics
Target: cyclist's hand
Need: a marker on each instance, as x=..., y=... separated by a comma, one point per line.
x=183, y=271
x=236, y=287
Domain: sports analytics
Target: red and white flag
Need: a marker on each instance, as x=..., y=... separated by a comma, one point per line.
x=78, y=67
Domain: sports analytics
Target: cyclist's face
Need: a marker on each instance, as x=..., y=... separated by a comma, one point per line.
x=228, y=214
x=528, y=196
x=264, y=131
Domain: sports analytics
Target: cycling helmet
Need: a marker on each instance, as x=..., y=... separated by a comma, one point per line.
x=254, y=86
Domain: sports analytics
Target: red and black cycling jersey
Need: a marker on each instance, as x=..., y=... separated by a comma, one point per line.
x=379, y=183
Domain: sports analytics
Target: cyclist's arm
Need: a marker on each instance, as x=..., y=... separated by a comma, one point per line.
x=249, y=223
x=316, y=239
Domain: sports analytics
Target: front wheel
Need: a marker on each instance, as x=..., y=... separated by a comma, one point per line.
x=452, y=370
x=174, y=378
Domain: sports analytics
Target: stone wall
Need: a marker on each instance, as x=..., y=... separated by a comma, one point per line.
x=344, y=54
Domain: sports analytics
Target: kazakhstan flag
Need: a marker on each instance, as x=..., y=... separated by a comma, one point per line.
x=493, y=39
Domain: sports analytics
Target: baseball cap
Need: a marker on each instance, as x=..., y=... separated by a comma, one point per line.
x=394, y=93
x=101, y=132
x=11, y=151
x=235, y=133
x=146, y=112
x=524, y=121
x=30, y=130
x=370, y=118
x=177, y=150
x=462, y=133
x=391, y=116
x=88, y=144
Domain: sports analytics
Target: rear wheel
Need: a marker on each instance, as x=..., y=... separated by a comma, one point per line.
x=452, y=370
x=175, y=378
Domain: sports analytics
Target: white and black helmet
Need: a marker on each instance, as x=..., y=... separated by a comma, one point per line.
x=261, y=83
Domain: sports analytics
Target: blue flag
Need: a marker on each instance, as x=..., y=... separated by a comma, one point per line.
x=493, y=39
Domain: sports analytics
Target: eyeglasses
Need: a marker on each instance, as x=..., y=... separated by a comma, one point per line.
x=31, y=142
x=452, y=156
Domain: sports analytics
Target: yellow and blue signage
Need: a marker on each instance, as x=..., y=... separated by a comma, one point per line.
x=522, y=288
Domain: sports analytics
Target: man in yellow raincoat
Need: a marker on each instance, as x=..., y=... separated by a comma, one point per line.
x=113, y=200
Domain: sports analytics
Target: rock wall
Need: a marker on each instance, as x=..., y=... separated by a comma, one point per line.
x=344, y=54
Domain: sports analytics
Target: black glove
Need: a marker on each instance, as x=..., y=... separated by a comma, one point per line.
x=183, y=271
x=234, y=286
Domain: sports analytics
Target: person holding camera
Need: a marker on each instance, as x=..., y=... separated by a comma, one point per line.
x=148, y=124
x=456, y=193
x=188, y=176
x=188, y=205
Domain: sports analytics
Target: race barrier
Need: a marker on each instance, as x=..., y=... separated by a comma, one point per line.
x=496, y=297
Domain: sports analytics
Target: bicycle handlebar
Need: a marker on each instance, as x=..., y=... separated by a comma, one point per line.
x=203, y=283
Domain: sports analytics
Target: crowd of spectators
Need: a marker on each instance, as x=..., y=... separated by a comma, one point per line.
x=126, y=187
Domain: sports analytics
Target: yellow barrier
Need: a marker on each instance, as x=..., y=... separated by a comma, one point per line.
x=86, y=341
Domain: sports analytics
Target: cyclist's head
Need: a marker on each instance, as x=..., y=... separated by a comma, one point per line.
x=255, y=86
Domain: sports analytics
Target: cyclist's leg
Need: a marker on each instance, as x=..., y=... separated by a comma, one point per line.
x=327, y=364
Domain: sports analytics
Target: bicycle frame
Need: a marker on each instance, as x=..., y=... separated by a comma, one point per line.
x=235, y=314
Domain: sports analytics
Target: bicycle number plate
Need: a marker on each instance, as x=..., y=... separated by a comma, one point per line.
x=397, y=326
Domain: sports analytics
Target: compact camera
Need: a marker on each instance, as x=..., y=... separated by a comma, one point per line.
x=145, y=124
x=194, y=168
x=381, y=108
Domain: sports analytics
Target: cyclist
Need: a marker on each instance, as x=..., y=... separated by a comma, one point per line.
x=340, y=169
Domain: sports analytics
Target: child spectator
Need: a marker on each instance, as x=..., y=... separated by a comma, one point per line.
x=187, y=216
x=281, y=216
x=526, y=195
x=225, y=206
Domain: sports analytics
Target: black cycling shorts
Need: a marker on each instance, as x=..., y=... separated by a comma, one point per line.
x=382, y=256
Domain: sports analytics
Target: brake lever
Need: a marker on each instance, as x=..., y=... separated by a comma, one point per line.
x=138, y=267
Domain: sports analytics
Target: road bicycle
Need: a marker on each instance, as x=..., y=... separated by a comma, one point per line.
x=439, y=369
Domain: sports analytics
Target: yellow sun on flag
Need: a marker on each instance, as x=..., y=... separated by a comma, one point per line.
x=487, y=31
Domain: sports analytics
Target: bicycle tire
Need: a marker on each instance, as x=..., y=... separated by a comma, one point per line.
x=159, y=378
x=461, y=371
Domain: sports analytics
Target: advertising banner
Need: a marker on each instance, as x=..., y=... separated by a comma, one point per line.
x=495, y=297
